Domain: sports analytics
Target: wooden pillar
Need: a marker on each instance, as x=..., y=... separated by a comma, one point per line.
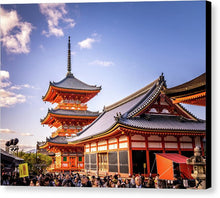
x=107, y=156
x=147, y=156
x=202, y=146
x=118, y=154
x=163, y=144
x=89, y=148
x=130, y=168
x=193, y=141
x=107, y=145
x=77, y=165
x=178, y=143
x=97, y=160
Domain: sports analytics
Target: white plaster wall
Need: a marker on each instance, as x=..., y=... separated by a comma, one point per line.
x=154, y=145
x=138, y=144
x=137, y=137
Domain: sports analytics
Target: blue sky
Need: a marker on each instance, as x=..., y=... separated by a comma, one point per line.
x=120, y=46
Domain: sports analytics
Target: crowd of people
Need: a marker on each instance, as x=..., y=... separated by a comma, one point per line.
x=77, y=180
x=80, y=180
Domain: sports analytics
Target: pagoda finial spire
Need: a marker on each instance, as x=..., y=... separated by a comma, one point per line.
x=69, y=58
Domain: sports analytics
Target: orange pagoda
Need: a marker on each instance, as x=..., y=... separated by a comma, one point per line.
x=70, y=116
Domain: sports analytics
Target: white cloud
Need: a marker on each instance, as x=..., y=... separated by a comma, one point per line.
x=18, y=87
x=87, y=43
x=4, y=75
x=26, y=134
x=15, y=34
x=6, y=131
x=102, y=63
x=4, y=79
x=8, y=98
x=11, y=131
x=54, y=14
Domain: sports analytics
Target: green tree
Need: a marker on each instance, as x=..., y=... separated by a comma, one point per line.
x=37, y=163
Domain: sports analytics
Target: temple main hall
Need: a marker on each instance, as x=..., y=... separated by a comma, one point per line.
x=126, y=136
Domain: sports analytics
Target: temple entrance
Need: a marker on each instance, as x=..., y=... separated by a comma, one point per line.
x=138, y=160
x=103, y=162
x=72, y=162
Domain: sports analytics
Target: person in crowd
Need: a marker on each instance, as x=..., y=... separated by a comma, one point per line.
x=76, y=182
x=67, y=182
x=112, y=185
x=92, y=180
x=5, y=180
x=85, y=182
x=127, y=183
x=37, y=183
x=119, y=177
x=105, y=182
x=96, y=183
x=138, y=182
x=46, y=181
x=31, y=183
x=150, y=182
x=156, y=181
x=178, y=182
x=118, y=185
x=132, y=182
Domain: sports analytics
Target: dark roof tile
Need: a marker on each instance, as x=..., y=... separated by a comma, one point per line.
x=57, y=139
x=74, y=112
x=162, y=122
x=70, y=82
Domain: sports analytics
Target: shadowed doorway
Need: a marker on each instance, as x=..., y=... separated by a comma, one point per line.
x=138, y=160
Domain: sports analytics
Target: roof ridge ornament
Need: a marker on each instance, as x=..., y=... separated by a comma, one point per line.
x=162, y=79
x=69, y=58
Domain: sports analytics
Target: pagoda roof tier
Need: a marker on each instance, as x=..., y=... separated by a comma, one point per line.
x=65, y=112
x=59, y=143
x=134, y=112
x=70, y=82
x=70, y=85
x=55, y=115
x=57, y=140
x=195, y=86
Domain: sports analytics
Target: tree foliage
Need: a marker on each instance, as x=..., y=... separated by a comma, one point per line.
x=37, y=163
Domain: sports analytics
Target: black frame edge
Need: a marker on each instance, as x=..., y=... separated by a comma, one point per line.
x=208, y=96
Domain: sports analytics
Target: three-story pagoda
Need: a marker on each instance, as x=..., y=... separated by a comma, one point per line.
x=70, y=116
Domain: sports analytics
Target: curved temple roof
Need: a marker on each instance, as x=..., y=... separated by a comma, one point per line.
x=122, y=113
x=70, y=82
x=196, y=85
x=73, y=112
x=164, y=122
x=57, y=139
